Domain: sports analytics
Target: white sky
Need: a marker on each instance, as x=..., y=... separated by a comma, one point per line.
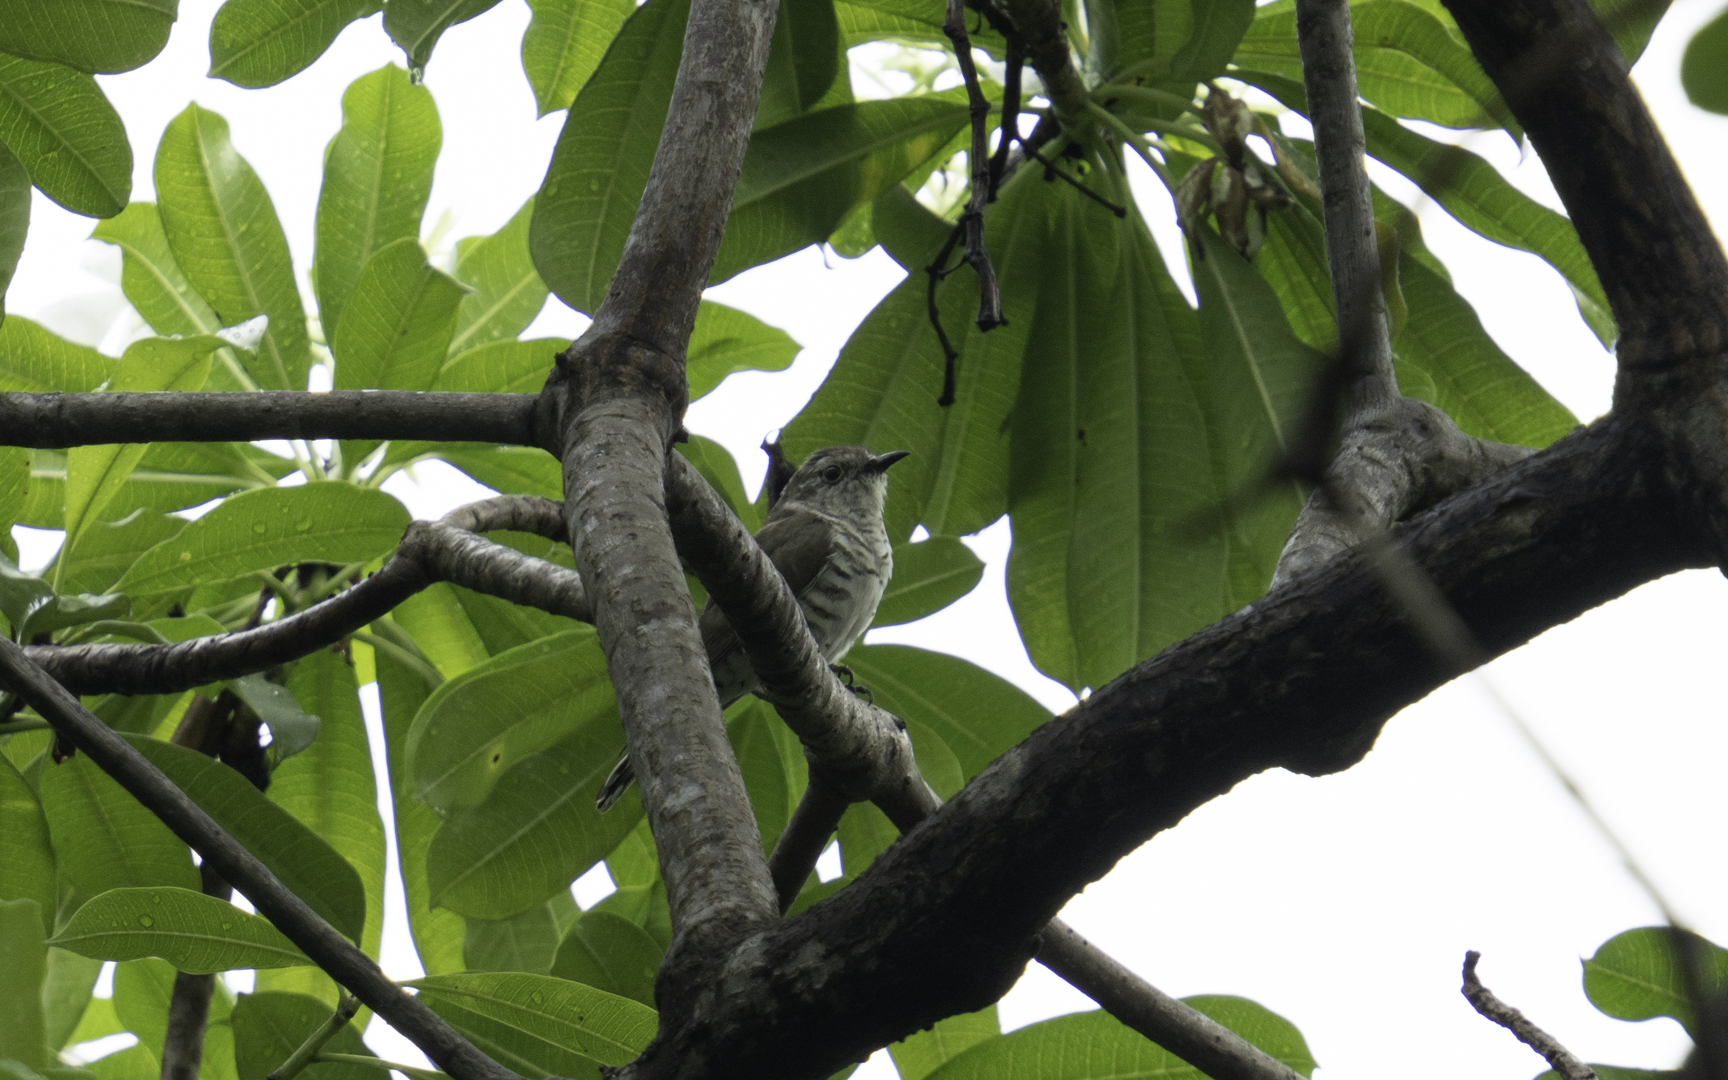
x=1344, y=903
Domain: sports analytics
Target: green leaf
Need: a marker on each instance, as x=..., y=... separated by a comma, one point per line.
x=271, y=527
x=416, y=25
x=486, y=719
x=1612, y=1072
x=503, y=367
x=437, y=932
x=1704, y=67
x=132, y=1063
x=24, y=959
x=104, y=838
x=150, y=277
x=69, y=138
x=143, y=990
x=14, y=215
x=910, y=20
x=98, y=36
x=634, y=866
x=268, y=1027
x=257, y=43
x=977, y=715
x=524, y=942
x=802, y=178
x=606, y=1027
x=716, y=465
x=1636, y=975
x=600, y=164
x=26, y=855
x=920, y=1054
x=526, y=1052
x=1632, y=22
x=72, y=1013
x=507, y=292
x=225, y=237
x=1218, y=27
x=396, y=327
x=928, y=576
x=37, y=360
x=802, y=61
x=377, y=178
x=535, y=833
x=772, y=762
x=303, y=859
x=610, y=953
x=198, y=934
x=442, y=632
x=727, y=340
x=1085, y=1045
x=564, y=44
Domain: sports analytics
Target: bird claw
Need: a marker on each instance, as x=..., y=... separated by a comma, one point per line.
x=844, y=674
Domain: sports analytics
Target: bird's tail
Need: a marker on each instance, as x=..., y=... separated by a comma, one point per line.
x=617, y=783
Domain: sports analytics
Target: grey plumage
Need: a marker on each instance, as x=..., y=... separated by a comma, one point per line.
x=825, y=536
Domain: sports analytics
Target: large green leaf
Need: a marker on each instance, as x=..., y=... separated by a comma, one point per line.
x=882, y=391
x=977, y=715
x=536, y=832
x=226, y=239
x=271, y=527
x=600, y=165
x=303, y=859
x=169, y=476
x=1637, y=975
x=198, y=934
x=772, y=762
x=26, y=854
x=71, y=1014
x=152, y=280
x=416, y=25
x=802, y=178
x=909, y=20
x=564, y=43
x=104, y=838
x=502, y=367
x=377, y=178
x=69, y=138
x=24, y=959
x=1704, y=67
x=14, y=216
x=106, y=549
x=105, y=36
x=1631, y=22
x=802, y=61
x=717, y=466
x=524, y=942
x=37, y=360
x=396, y=328
x=508, y=292
x=486, y=719
x=1087, y=1045
x=606, y=1027
x=610, y=953
x=268, y=1027
x=142, y=992
x=921, y=1053
x=726, y=340
x=257, y=43
x=928, y=576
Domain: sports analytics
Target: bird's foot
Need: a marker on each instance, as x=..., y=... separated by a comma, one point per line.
x=844, y=674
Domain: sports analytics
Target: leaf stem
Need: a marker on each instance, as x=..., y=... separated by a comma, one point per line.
x=1132, y=138
x=307, y=1052
x=379, y=1063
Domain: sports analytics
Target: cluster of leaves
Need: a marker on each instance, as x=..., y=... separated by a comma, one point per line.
x=1124, y=431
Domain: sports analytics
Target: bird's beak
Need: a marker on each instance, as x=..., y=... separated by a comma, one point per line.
x=880, y=463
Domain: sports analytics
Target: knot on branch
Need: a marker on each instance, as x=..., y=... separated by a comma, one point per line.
x=598, y=368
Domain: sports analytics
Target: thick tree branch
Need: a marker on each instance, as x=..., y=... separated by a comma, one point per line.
x=53, y=421
x=1039, y=25
x=316, y=938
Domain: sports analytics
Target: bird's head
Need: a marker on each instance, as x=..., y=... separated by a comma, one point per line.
x=842, y=479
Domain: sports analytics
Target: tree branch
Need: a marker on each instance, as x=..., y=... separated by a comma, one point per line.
x=316, y=938
x=53, y=421
x=1039, y=24
x=1483, y=1001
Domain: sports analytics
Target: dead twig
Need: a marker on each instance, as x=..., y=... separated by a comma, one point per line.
x=1483, y=1000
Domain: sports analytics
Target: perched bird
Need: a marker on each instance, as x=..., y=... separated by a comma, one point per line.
x=826, y=538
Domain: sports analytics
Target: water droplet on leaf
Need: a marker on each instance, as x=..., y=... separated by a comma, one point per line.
x=146, y=921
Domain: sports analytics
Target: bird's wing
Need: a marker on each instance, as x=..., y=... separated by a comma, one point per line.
x=798, y=543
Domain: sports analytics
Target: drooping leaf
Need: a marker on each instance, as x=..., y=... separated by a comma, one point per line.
x=610, y=953
x=97, y=36
x=396, y=327
x=508, y=292
x=524, y=942
x=600, y=165
x=152, y=280
x=271, y=527
x=977, y=715
x=606, y=1027
x=24, y=959
x=37, y=360
x=1638, y=974
x=486, y=719
x=564, y=43
x=142, y=992
x=256, y=43
x=268, y=1027
x=1217, y=28
x=921, y=1053
x=377, y=178
x=802, y=61
x=928, y=576
x=416, y=25
x=14, y=216
x=26, y=854
x=227, y=240
x=106, y=549
x=1096, y=1044
x=726, y=340
x=104, y=838
x=69, y=1011
x=198, y=934
x=802, y=178
x=68, y=137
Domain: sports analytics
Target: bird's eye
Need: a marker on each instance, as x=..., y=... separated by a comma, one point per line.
x=831, y=474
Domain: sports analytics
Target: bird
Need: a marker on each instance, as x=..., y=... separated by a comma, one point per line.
x=826, y=537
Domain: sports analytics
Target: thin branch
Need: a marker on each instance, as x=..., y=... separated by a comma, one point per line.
x=805, y=837
x=1051, y=170
x=972, y=220
x=52, y=421
x=1483, y=1001
x=317, y=939
x=1039, y=26
x=1009, y=132
x=304, y=1054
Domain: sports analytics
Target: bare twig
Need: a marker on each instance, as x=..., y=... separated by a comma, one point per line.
x=1050, y=169
x=1483, y=1000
